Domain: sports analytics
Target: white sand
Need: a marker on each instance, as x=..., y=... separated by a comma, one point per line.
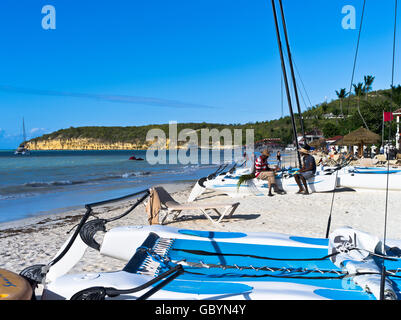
x=36, y=241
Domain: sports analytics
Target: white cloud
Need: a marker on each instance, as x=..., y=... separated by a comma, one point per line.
x=36, y=132
x=151, y=101
x=37, y=129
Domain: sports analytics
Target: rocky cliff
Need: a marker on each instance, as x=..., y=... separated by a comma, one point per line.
x=83, y=144
x=97, y=144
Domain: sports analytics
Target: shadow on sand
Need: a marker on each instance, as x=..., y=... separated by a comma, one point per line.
x=193, y=217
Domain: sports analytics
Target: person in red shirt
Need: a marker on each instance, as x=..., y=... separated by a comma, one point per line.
x=264, y=172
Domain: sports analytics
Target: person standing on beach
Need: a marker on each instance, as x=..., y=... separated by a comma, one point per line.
x=307, y=171
x=264, y=172
x=278, y=156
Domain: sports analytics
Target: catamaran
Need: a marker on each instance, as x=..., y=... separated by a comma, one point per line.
x=22, y=149
x=174, y=263
x=229, y=183
x=370, y=178
x=326, y=179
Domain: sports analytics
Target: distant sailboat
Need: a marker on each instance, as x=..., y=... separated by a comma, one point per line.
x=22, y=149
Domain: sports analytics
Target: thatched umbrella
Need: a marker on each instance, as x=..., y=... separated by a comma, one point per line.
x=320, y=143
x=360, y=137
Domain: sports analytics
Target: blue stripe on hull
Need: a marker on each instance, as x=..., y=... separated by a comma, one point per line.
x=334, y=288
x=213, y=234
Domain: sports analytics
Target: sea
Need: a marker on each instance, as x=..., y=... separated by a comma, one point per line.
x=47, y=182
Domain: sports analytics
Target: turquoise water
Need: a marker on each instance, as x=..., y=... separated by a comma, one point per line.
x=51, y=181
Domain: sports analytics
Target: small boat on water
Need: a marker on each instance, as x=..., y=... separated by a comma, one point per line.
x=22, y=149
x=135, y=158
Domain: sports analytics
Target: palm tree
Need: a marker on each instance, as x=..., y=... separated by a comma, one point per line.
x=342, y=94
x=358, y=89
x=394, y=95
x=368, y=84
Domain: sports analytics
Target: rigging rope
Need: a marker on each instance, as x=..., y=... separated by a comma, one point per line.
x=331, y=207
x=220, y=254
x=208, y=253
x=252, y=268
x=303, y=85
x=355, y=59
x=338, y=277
x=389, y=129
x=289, y=54
x=300, y=80
x=286, y=272
x=340, y=274
x=388, y=154
x=282, y=96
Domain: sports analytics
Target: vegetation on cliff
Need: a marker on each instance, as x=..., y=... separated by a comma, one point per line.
x=337, y=117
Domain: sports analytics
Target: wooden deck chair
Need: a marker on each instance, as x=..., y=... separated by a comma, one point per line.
x=170, y=206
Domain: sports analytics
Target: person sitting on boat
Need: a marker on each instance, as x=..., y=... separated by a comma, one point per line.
x=307, y=171
x=264, y=172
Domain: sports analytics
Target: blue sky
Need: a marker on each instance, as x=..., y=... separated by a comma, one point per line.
x=129, y=62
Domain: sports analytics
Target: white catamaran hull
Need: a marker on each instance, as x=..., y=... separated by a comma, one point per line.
x=225, y=265
x=369, y=181
x=227, y=184
x=325, y=181
x=258, y=187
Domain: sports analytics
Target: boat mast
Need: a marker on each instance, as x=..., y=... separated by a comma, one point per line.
x=292, y=71
x=383, y=271
x=286, y=82
x=23, y=130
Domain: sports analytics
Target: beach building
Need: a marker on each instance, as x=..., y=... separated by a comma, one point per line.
x=310, y=136
x=397, y=114
x=331, y=142
x=271, y=143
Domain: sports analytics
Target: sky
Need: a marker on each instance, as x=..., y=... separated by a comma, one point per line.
x=131, y=62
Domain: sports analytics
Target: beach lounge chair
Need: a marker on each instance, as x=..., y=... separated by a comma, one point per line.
x=161, y=201
x=366, y=162
x=381, y=159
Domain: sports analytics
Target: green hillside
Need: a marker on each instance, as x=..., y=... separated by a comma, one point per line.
x=326, y=117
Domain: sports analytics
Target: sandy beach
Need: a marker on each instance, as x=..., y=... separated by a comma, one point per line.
x=35, y=241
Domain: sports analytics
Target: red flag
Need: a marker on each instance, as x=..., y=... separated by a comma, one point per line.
x=388, y=116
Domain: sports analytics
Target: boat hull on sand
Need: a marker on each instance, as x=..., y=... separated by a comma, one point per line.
x=369, y=179
x=228, y=184
x=357, y=178
x=217, y=265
